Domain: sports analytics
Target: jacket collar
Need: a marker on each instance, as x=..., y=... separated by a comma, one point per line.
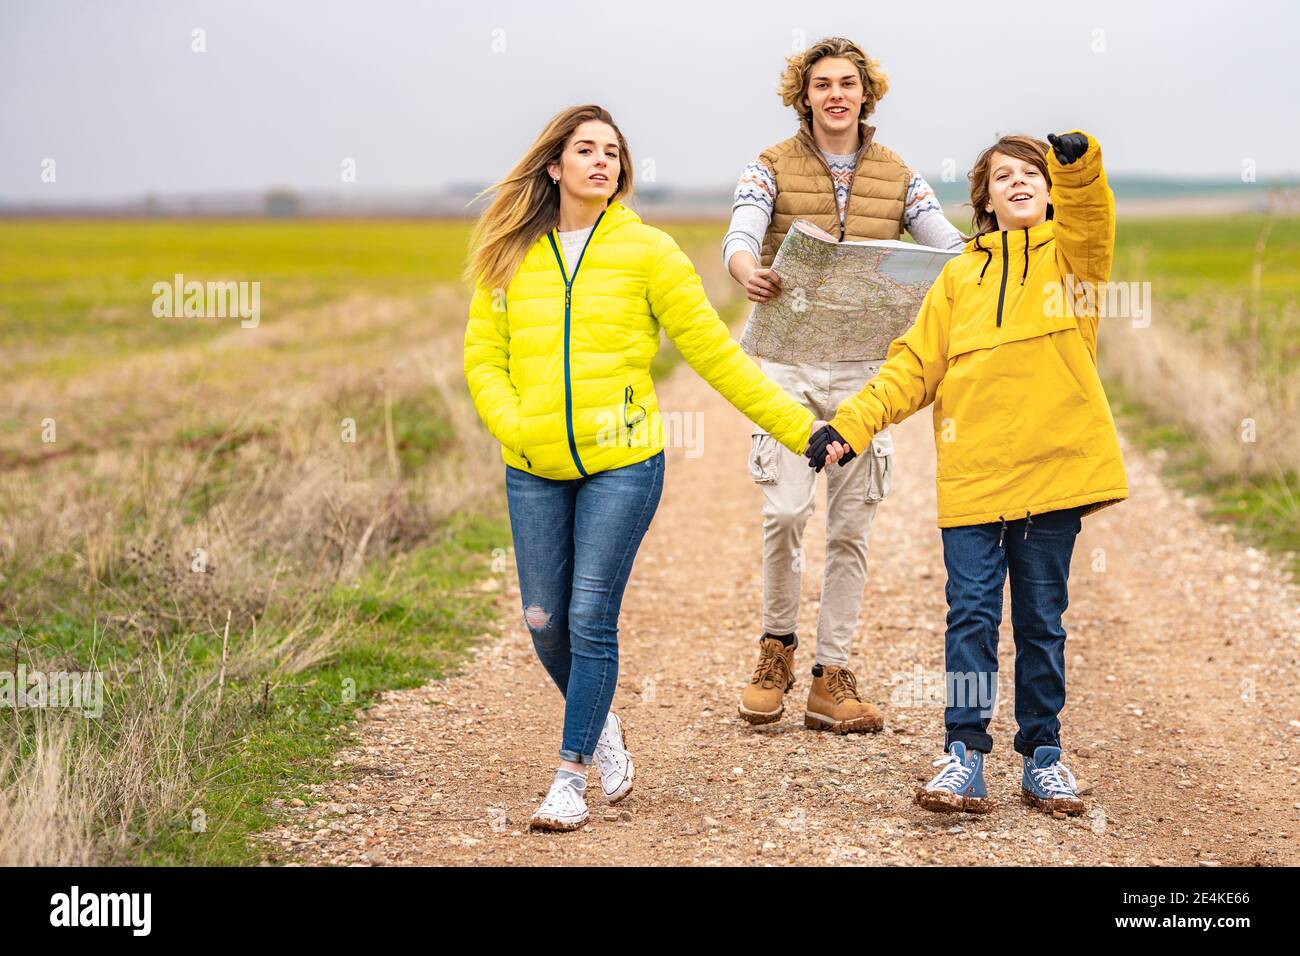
x=615, y=214
x=865, y=131
x=1015, y=239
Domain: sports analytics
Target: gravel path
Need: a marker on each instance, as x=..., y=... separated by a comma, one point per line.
x=1181, y=723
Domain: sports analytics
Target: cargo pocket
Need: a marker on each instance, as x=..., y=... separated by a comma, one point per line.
x=880, y=471
x=762, y=458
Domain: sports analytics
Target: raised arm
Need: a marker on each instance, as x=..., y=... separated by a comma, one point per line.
x=910, y=377
x=487, y=369
x=1084, y=219
x=678, y=302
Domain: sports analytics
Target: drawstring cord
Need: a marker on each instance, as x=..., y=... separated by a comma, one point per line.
x=1002, y=535
x=989, y=254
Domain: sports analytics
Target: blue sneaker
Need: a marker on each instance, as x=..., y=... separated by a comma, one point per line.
x=1048, y=785
x=959, y=787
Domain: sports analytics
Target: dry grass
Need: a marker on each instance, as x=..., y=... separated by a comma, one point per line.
x=224, y=530
x=224, y=453
x=1209, y=386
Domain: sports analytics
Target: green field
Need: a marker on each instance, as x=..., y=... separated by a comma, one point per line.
x=345, y=568
x=1193, y=263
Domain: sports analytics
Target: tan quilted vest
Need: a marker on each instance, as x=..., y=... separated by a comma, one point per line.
x=804, y=190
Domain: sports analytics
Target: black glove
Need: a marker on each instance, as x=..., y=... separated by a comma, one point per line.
x=1068, y=146
x=820, y=441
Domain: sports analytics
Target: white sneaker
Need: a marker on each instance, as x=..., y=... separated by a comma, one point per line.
x=613, y=761
x=563, y=809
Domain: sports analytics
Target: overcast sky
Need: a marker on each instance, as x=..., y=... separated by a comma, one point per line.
x=423, y=95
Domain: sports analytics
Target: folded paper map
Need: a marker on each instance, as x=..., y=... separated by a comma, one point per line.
x=840, y=301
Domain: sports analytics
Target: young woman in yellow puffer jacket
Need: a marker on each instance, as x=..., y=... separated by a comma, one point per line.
x=1005, y=347
x=571, y=290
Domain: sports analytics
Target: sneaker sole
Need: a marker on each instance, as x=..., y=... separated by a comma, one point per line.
x=556, y=825
x=859, y=725
x=1071, y=808
x=758, y=717
x=943, y=802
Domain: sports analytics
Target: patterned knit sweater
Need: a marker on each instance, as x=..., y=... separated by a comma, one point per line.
x=751, y=210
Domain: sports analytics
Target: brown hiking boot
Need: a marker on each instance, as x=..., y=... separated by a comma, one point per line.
x=834, y=704
x=763, y=701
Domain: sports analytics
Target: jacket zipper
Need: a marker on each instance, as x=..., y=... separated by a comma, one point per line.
x=1002, y=292
x=568, y=304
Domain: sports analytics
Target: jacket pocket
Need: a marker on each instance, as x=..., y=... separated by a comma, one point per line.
x=880, y=469
x=762, y=458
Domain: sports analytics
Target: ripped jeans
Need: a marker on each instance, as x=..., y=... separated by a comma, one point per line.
x=575, y=541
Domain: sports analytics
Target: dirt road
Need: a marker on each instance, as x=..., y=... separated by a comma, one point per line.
x=1181, y=724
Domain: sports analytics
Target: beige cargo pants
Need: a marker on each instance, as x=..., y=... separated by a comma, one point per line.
x=853, y=493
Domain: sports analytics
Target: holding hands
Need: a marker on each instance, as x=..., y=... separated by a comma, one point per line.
x=826, y=445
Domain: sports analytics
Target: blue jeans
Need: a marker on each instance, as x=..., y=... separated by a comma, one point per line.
x=1036, y=553
x=575, y=541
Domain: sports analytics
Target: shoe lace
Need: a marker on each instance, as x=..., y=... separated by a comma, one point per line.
x=773, y=669
x=843, y=685
x=605, y=749
x=563, y=797
x=1055, y=780
x=953, y=776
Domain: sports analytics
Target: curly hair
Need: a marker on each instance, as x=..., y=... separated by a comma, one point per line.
x=1025, y=148
x=794, y=78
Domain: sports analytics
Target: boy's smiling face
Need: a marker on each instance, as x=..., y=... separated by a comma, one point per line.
x=1017, y=192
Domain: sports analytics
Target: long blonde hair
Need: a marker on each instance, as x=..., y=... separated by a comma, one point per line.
x=794, y=77
x=526, y=204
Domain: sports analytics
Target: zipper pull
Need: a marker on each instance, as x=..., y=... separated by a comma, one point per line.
x=627, y=427
x=568, y=295
x=1003, y=533
x=1029, y=521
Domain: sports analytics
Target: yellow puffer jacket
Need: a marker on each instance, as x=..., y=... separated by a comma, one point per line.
x=560, y=369
x=1009, y=360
